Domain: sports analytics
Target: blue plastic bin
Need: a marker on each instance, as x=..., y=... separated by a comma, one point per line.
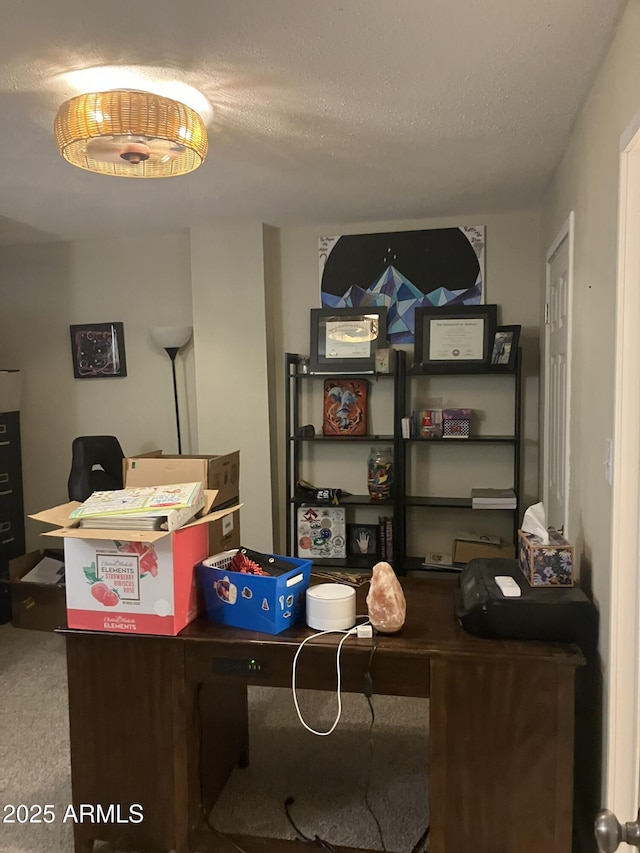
x=254, y=602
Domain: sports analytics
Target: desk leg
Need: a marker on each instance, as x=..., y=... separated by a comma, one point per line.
x=215, y=731
x=501, y=756
x=125, y=695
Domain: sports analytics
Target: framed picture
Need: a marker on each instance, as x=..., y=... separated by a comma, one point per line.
x=505, y=348
x=362, y=539
x=97, y=350
x=344, y=410
x=454, y=339
x=345, y=340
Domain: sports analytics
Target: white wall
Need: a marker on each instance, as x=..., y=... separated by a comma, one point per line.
x=513, y=281
x=587, y=182
x=46, y=287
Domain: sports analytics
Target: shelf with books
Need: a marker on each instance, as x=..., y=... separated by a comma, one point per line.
x=426, y=510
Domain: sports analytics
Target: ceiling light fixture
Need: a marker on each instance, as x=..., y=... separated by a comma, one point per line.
x=130, y=134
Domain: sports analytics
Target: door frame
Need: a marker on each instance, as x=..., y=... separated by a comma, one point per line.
x=622, y=724
x=566, y=232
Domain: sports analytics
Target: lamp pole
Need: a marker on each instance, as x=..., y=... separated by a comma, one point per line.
x=172, y=352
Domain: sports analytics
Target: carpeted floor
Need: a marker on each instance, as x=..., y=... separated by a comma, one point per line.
x=325, y=775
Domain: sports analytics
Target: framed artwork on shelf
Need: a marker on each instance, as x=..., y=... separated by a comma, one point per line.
x=345, y=407
x=505, y=348
x=449, y=339
x=345, y=340
x=97, y=350
x=363, y=539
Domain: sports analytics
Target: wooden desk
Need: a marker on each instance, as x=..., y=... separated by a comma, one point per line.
x=156, y=721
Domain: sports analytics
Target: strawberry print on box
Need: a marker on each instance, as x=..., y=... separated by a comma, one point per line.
x=141, y=587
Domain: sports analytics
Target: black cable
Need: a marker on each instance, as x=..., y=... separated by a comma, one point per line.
x=205, y=816
x=319, y=842
x=368, y=693
x=418, y=845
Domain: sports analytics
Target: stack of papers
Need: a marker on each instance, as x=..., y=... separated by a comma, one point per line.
x=142, y=508
x=493, y=499
x=48, y=570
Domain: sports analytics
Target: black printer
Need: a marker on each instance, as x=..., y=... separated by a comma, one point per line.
x=562, y=614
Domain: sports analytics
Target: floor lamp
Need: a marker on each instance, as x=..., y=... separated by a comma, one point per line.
x=172, y=339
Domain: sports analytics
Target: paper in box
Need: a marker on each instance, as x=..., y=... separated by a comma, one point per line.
x=37, y=606
x=254, y=602
x=133, y=581
x=545, y=565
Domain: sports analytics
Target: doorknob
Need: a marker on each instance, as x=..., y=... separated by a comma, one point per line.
x=610, y=834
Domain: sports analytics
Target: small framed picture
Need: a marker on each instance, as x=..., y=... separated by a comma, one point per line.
x=97, y=350
x=454, y=339
x=362, y=539
x=345, y=340
x=505, y=348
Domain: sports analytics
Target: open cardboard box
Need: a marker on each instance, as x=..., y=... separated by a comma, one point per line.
x=220, y=473
x=140, y=581
x=39, y=606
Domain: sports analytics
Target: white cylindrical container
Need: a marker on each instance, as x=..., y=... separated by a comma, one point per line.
x=331, y=607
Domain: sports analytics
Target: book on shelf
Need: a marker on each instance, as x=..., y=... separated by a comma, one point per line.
x=142, y=501
x=493, y=499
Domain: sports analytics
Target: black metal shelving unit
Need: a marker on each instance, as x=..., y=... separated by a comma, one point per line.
x=400, y=501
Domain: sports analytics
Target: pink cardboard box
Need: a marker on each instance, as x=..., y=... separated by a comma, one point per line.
x=144, y=583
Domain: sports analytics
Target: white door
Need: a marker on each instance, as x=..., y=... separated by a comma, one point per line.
x=557, y=361
x=622, y=670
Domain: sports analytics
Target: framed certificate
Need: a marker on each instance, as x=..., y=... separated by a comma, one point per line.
x=345, y=340
x=454, y=339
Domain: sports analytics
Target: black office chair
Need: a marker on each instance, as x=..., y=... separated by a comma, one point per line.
x=96, y=465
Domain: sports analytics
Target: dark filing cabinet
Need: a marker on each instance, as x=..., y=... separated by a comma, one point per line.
x=12, y=535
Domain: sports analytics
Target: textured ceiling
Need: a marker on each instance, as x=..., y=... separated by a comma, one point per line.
x=334, y=111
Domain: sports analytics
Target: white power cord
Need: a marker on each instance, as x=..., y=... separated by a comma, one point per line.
x=348, y=633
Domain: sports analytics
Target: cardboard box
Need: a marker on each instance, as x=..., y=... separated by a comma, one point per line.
x=220, y=473
x=254, y=602
x=468, y=549
x=38, y=606
x=144, y=583
x=322, y=532
x=224, y=534
x=546, y=565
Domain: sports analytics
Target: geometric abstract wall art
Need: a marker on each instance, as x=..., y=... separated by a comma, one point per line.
x=403, y=270
x=97, y=350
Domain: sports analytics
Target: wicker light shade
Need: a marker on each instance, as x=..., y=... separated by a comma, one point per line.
x=131, y=134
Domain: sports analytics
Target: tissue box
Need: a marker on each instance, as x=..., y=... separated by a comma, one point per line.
x=545, y=565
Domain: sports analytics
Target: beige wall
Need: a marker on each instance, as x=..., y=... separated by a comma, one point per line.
x=230, y=342
x=47, y=287
x=587, y=182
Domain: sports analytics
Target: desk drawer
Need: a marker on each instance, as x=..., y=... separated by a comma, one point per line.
x=270, y=664
x=11, y=534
